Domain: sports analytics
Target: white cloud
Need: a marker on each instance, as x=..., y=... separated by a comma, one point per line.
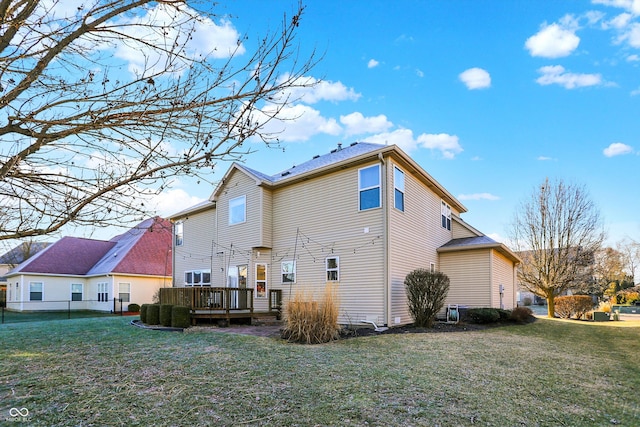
x=556, y=74
x=295, y=123
x=318, y=90
x=617, y=149
x=478, y=196
x=632, y=6
x=631, y=35
x=357, y=124
x=475, y=78
x=545, y=158
x=555, y=40
x=635, y=92
x=171, y=201
x=633, y=58
x=419, y=73
x=197, y=44
x=620, y=21
x=372, y=63
x=447, y=145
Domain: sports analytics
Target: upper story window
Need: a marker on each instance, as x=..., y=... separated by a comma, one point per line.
x=333, y=269
x=178, y=231
x=446, y=215
x=398, y=185
x=369, y=187
x=238, y=210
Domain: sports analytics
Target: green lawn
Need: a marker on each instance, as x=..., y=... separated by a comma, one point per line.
x=105, y=372
x=34, y=316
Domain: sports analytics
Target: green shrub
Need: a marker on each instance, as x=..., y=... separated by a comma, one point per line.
x=165, y=314
x=483, y=315
x=573, y=306
x=143, y=313
x=180, y=317
x=504, y=314
x=312, y=322
x=153, y=314
x=521, y=314
x=426, y=293
x=134, y=308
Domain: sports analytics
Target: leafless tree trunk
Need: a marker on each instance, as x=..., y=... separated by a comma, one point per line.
x=557, y=232
x=106, y=101
x=630, y=250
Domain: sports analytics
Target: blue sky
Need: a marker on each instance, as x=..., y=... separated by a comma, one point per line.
x=489, y=97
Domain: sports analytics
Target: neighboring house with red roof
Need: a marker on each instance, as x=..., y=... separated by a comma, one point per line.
x=88, y=274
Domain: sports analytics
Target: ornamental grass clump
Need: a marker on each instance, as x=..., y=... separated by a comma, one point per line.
x=312, y=322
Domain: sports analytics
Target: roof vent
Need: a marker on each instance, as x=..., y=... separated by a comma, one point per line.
x=285, y=173
x=353, y=143
x=339, y=146
x=316, y=156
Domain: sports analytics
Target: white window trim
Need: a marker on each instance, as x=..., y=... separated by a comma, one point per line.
x=379, y=186
x=397, y=188
x=329, y=270
x=266, y=280
x=178, y=230
x=41, y=290
x=432, y=267
x=103, y=288
x=445, y=211
x=120, y=290
x=81, y=292
x=238, y=201
x=282, y=272
x=202, y=272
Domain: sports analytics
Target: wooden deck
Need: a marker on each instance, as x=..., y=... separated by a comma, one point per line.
x=220, y=303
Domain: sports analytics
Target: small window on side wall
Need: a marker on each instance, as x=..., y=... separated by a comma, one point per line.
x=333, y=269
x=288, y=271
x=446, y=215
x=398, y=185
x=178, y=230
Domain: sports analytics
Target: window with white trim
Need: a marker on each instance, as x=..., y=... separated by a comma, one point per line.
x=369, y=187
x=124, y=292
x=103, y=292
x=197, y=277
x=238, y=210
x=432, y=267
x=446, y=215
x=288, y=271
x=333, y=268
x=36, y=291
x=398, y=187
x=76, y=291
x=178, y=230
x=261, y=280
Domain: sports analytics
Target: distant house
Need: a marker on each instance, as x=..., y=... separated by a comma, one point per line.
x=16, y=256
x=360, y=217
x=90, y=274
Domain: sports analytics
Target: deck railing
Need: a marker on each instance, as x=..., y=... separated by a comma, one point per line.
x=208, y=298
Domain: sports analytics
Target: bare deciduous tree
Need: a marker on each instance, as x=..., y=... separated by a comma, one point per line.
x=105, y=101
x=557, y=232
x=609, y=268
x=630, y=250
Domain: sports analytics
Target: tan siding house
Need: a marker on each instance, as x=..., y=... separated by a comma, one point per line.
x=361, y=217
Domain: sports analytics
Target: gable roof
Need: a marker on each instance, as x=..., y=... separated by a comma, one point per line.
x=357, y=152
x=478, y=242
x=141, y=250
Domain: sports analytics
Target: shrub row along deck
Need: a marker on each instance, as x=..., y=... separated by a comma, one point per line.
x=220, y=303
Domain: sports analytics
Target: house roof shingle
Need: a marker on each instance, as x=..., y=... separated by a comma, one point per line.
x=141, y=250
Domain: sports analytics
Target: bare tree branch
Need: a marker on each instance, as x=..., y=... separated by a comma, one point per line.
x=85, y=133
